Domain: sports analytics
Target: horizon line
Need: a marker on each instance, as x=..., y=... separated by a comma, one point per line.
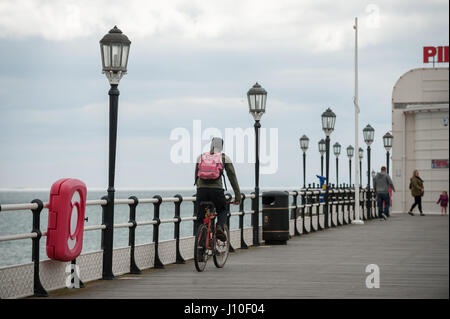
x=97, y=189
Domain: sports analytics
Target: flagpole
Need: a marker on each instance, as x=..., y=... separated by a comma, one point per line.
x=357, y=219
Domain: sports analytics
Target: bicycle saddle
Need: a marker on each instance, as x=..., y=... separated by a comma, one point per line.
x=208, y=205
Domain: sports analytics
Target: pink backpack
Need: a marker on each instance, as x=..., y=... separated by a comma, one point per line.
x=210, y=166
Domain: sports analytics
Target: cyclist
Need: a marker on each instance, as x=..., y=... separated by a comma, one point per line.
x=208, y=172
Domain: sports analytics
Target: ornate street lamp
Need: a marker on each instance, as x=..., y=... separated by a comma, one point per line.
x=114, y=48
x=350, y=153
x=387, y=142
x=368, y=133
x=304, y=143
x=322, y=151
x=257, y=98
x=328, y=122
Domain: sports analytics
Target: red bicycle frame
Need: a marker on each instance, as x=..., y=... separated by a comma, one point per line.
x=207, y=221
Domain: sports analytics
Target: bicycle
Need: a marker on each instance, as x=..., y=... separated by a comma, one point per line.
x=206, y=242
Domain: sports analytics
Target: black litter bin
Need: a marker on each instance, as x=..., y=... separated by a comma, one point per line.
x=275, y=217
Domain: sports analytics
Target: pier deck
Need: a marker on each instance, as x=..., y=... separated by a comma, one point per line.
x=412, y=254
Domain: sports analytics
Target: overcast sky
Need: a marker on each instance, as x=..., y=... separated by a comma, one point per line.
x=193, y=62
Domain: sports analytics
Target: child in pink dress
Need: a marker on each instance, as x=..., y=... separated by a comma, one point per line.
x=443, y=200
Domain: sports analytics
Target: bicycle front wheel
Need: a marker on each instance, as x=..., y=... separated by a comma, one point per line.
x=200, y=252
x=221, y=249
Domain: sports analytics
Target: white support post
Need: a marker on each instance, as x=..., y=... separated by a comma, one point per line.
x=358, y=220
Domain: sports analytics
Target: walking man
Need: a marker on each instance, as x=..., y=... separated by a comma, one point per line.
x=381, y=183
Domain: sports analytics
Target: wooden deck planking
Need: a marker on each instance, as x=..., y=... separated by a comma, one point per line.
x=411, y=252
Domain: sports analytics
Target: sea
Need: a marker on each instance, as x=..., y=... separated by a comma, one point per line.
x=19, y=222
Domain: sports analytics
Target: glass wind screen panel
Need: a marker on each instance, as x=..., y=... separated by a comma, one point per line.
x=125, y=56
x=116, y=55
x=333, y=122
x=258, y=102
x=322, y=147
x=263, y=103
x=252, y=102
x=325, y=124
x=389, y=142
x=106, y=56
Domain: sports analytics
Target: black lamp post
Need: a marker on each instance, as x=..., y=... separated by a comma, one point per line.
x=322, y=151
x=257, y=97
x=360, y=155
x=387, y=142
x=337, y=152
x=304, y=143
x=350, y=152
x=368, y=133
x=328, y=121
x=114, y=48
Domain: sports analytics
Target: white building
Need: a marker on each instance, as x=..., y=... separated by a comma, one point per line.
x=420, y=105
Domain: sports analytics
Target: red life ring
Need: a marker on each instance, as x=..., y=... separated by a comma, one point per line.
x=65, y=230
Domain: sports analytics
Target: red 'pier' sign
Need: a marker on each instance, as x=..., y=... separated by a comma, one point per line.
x=440, y=52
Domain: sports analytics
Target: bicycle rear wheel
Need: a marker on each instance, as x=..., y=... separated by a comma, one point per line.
x=200, y=252
x=221, y=249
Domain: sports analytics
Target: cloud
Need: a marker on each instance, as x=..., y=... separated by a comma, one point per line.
x=320, y=26
x=195, y=60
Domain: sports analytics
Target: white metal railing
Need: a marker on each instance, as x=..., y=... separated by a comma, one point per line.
x=102, y=202
x=311, y=199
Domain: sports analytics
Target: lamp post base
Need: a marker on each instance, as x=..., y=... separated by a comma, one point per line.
x=357, y=222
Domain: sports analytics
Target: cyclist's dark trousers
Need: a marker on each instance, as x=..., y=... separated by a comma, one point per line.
x=215, y=195
x=418, y=202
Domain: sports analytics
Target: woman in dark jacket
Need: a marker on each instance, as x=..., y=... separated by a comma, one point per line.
x=417, y=190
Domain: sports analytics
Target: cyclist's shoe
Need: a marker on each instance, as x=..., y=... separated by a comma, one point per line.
x=220, y=234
